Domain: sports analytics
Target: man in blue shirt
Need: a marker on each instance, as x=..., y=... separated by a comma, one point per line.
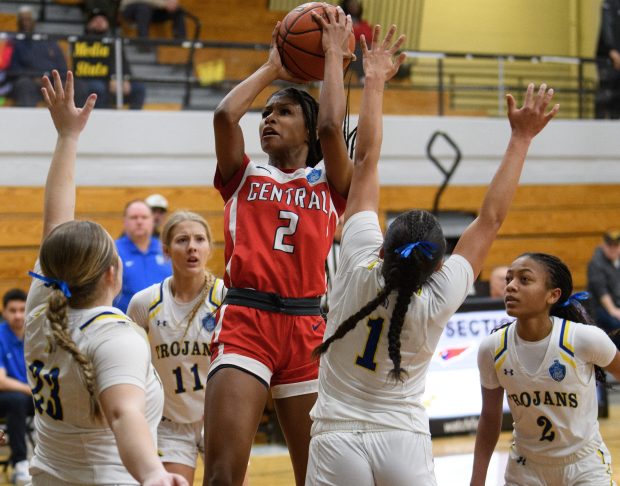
x=143, y=259
x=15, y=395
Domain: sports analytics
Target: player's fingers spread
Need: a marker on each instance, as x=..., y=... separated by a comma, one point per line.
x=57, y=85
x=553, y=112
x=47, y=86
x=399, y=60
x=46, y=97
x=331, y=14
x=89, y=106
x=529, y=95
x=510, y=101
x=363, y=45
x=319, y=19
x=548, y=97
x=399, y=42
x=388, y=37
x=69, y=86
x=376, y=35
x=542, y=89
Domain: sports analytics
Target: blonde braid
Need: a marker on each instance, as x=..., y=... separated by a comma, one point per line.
x=57, y=316
x=209, y=282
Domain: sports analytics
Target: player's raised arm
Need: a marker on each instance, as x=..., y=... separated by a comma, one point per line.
x=337, y=29
x=380, y=65
x=526, y=122
x=229, y=142
x=59, y=200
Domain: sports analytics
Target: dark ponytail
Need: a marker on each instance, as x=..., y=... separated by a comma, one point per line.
x=404, y=274
x=559, y=277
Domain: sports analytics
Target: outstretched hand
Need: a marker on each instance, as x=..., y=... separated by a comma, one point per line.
x=68, y=119
x=275, y=61
x=531, y=118
x=337, y=30
x=381, y=59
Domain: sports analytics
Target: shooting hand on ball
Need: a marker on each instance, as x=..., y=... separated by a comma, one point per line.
x=337, y=31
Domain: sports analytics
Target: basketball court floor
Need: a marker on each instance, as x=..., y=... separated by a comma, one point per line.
x=270, y=464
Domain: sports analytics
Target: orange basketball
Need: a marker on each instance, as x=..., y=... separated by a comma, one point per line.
x=299, y=42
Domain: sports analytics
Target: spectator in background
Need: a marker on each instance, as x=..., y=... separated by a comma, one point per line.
x=109, y=8
x=360, y=26
x=33, y=59
x=608, y=61
x=141, y=252
x=604, y=284
x=159, y=207
x=15, y=395
x=497, y=282
x=94, y=63
x=143, y=12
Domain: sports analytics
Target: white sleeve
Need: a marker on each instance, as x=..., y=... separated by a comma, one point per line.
x=362, y=240
x=38, y=292
x=121, y=356
x=593, y=345
x=138, y=308
x=488, y=376
x=449, y=288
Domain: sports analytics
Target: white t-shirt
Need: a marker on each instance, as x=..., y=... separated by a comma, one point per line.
x=354, y=389
x=553, y=405
x=180, y=350
x=70, y=445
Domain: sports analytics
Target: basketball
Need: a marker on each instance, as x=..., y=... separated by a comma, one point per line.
x=299, y=42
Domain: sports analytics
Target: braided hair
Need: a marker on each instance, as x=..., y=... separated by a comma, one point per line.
x=402, y=275
x=78, y=253
x=559, y=277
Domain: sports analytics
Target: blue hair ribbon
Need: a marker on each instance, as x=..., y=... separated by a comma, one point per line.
x=426, y=247
x=53, y=282
x=576, y=298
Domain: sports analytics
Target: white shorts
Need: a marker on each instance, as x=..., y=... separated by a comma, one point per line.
x=381, y=458
x=180, y=443
x=592, y=470
x=45, y=479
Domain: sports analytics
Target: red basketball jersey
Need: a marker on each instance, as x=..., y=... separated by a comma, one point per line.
x=278, y=228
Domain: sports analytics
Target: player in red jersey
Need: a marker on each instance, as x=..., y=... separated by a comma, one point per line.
x=279, y=224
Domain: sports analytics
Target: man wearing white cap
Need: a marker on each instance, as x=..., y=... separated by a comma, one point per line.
x=159, y=206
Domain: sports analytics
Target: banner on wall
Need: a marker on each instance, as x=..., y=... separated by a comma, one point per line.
x=452, y=397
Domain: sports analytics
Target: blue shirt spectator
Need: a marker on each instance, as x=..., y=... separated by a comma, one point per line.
x=143, y=259
x=15, y=395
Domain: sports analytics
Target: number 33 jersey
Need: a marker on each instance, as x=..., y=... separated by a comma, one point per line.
x=554, y=407
x=277, y=223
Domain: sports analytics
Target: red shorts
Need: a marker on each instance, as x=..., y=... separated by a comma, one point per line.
x=273, y=346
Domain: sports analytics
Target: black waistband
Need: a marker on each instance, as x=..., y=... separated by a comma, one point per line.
x=273, y=302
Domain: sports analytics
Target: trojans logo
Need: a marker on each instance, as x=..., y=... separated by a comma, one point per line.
x=557, y=370
x=208, y=322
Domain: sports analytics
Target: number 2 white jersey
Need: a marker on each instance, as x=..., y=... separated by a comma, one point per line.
x=354, y=389
x=554, y=408
x=180, y=352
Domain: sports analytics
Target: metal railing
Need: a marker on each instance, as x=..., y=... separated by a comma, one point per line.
x=463, y=83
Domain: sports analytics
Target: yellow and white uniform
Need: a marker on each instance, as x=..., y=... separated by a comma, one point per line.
x=551, y=391
x=71, y=447
x=367, y=429
x=180, y=353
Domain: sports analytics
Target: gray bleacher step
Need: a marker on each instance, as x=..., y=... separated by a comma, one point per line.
x=53, y=12
x=59, y=28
